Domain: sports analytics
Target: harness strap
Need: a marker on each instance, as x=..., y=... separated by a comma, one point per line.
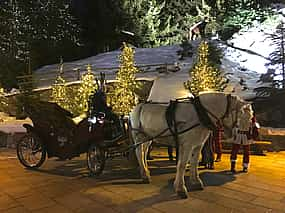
x=171, y=121
x=203, y=114
x=159, y=135
x=228, y=107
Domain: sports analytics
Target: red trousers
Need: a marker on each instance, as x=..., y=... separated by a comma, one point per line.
x=235, y=149
x=218, y=148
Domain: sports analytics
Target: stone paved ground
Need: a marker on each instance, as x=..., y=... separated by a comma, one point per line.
x=64, y=186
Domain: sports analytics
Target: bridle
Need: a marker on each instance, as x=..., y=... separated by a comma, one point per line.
x=228, y=113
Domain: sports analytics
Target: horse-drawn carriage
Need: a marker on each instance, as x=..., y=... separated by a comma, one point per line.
x=55, y=134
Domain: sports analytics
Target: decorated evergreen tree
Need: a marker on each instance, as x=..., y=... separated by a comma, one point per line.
x=124, y=98
x=59, y=90
x=86, y=88
x=204, y=76
x=3, y=100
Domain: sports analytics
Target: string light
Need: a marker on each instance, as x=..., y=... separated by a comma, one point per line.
x=123, y=99
x=86, y=88
x=59, y=92
x=204, y=76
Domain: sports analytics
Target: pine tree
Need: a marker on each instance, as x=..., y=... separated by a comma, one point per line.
x=35, y=31
x=277, y=58
x=149, y=27
x=124, y=98
x=204, y=76
x=86, y=88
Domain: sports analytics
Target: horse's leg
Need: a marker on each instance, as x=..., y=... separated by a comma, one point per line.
x=195, y=181
x=141, y=156
x=146, y=176
x=183, y=158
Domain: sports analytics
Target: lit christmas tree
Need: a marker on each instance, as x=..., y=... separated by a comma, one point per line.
x=124, y=98
x=3, y=100
x=204, y=76
x=87, y=87
x=59, y=90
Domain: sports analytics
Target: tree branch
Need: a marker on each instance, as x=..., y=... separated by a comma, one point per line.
x=244, y=50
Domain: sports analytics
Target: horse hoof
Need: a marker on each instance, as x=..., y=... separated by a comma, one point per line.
x=146, y=181
x=194, y=187
x=182, y=195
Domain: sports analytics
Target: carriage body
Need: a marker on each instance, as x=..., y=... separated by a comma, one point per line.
x=55, y=134
x=66, y=140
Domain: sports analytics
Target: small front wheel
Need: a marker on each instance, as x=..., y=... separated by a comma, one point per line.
x=31, y=151
x=95, y=159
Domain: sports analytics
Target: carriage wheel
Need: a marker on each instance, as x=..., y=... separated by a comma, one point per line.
x=95, y=159
x=31, y=151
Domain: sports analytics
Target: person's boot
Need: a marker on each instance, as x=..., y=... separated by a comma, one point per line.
x=219, y=157
x=170, y=153
x=245, y=167
x=233, y=165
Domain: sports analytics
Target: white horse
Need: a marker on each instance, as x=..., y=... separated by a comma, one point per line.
x=148, y=123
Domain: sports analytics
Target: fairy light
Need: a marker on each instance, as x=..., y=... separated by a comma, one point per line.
x=204, y=76
x=123, y=99
x=86, y=88
x=59, y=91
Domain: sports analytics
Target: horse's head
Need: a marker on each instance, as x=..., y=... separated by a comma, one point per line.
x=235, y=106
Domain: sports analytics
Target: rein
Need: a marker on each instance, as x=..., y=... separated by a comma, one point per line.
x=200, y=109
x=158, y=135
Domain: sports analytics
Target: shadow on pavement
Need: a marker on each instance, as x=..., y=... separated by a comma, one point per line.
x=165, y=194
x=216, y=178
x=66, y=168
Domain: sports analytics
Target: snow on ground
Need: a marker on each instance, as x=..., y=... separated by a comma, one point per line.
x=143, y=56
x=168, y=85
x=238, y=66
x=256, y=38
x=11, y=125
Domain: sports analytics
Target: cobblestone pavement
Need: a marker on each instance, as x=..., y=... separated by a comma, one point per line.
x=65, y=186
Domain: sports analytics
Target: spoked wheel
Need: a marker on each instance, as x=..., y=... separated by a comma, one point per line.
x=31, y=151
x=95, y=159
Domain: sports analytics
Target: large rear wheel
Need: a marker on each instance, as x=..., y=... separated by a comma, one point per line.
x=95, y=159
x=31, y=151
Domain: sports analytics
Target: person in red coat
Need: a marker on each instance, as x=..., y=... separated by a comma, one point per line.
x=243, y=136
